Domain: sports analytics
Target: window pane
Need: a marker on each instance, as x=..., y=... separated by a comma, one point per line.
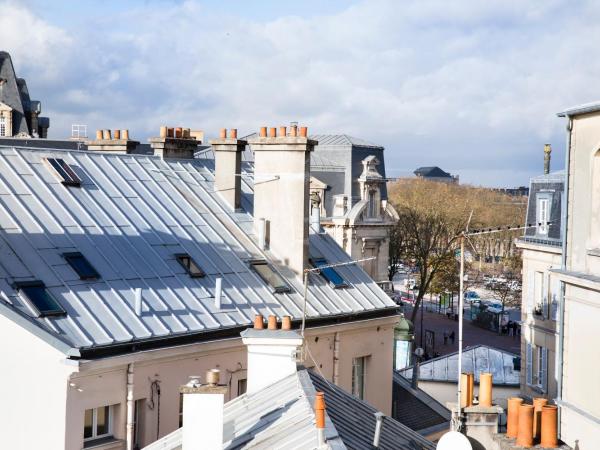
x=40, y=298
x=242, y=386
x=81, y=265
x=270, y=276
x=64, y=171
x=330, y=273
x=102, y=421
x=190, y=266
x=88, y=423
x=358, y=377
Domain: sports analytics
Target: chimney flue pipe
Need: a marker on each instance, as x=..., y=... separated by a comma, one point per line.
x=547, y=152
x=320, y=418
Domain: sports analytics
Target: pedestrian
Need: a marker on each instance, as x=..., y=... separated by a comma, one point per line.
x=452, y=337
x=510, y=328
x=445, y=337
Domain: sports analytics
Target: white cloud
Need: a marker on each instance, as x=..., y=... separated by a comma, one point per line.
x=472, y=87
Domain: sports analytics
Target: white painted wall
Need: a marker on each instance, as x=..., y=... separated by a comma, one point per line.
x=33, y=390
x=446, y=392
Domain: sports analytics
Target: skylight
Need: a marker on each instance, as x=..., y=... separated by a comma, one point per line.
x=269, y=276
x=82, y=266
x=329, y=273
x=40, y=300
x=190, y=265
x=69, y=177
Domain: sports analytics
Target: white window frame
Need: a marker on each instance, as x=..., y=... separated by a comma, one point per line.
x=543, y=215
x=359, y=376
x=536, y=367
x=109, y=427
x=3, y=123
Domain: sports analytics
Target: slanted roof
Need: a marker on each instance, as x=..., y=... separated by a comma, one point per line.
x=355, y=421
x=342, y=140
x=129, y=217
x=580, y=109
x=281, y=416
x=432, y=171
x=557, y=176
x=416, y=409
x=476, y=359
x=11, y=95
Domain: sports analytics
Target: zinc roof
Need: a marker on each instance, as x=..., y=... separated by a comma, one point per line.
x=475, y=359
x=129, y=217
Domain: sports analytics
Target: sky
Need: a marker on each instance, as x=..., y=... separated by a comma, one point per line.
x=470, y=86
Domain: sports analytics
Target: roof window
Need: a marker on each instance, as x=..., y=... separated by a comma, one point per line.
x=329, y=273
x=269, y=276
x=82, y=266
x=40, y=300
x=69, y=177
x=190, y=265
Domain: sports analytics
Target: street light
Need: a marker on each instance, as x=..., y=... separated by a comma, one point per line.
x=403, y=338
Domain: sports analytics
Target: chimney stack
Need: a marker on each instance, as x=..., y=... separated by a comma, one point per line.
x=228, y=166
x=203, y=412
x=271, y=354
x=547, y=151
x=174, y=143
x=281, y=192
x=320, y=418
x=115, y=141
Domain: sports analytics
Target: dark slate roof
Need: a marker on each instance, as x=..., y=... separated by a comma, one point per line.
x=432, y=171
x=10, y=94
x=551, y=186
x=355, y=421
x=416, y=409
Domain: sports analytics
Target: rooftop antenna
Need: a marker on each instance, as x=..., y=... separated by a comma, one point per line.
x=78, y=131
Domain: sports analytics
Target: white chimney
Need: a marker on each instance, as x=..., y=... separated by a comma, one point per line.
x=228, y=166
x=281, y=192
x=271, y=356
x=203, y=412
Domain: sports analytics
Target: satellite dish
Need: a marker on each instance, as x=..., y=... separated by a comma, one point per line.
x=453, y=440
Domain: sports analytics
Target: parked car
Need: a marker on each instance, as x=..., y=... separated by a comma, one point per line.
x=409, y=283
x=471, y=295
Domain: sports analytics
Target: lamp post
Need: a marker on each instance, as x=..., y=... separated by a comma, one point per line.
x=403, y=339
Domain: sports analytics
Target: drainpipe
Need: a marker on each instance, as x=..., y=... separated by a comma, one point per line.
x=336, y=358
x=561, y=326
x=130, y=405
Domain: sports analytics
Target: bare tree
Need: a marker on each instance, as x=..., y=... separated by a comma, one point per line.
x=397, y=251
x=508, y=289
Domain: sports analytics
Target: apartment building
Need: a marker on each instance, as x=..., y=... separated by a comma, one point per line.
x=541, y=247
x=124, y=271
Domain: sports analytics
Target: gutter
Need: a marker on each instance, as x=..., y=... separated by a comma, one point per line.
x=564, y=219
x=104, y=351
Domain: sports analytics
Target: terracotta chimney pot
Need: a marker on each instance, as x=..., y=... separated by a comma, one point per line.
x=163, y=132
x=125, y=134
x=263, y=132
x=512, y=416
x=537, y=415
x=223, y=133
x=549, y=430
x=525, y=431
x=286, y=323
x=117, y=134
x=98, y=134
x=272, y=325
x=213, y=376
x=294, y=130
x=186, y=133
x=106, y=134
x=178, y=132
x=465, y=398
x=259, y=322
x=273, y=132
x=170, y=132
x=485, y=389
x=233, y=133
x=283, y=131
x=320, y=410
x=303, y=132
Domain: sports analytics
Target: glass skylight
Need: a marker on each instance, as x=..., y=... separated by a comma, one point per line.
x=69, y=177
x=190, y=265
x=40, y=300
x=82, y=266
x=329, y=273
x=269, y=276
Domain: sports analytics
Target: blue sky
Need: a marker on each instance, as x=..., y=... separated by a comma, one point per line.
x=473, y=87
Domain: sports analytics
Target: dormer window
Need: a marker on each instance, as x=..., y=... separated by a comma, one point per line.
x=2, y=126
x=81, y=266
x=269, y=276
x=190, y=266
x=372, y=211
x=65, y=172
x=39, y=299
x=329, y=273
x=543, y=214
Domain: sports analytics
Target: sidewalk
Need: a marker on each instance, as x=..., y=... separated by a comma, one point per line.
x=472, y=334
